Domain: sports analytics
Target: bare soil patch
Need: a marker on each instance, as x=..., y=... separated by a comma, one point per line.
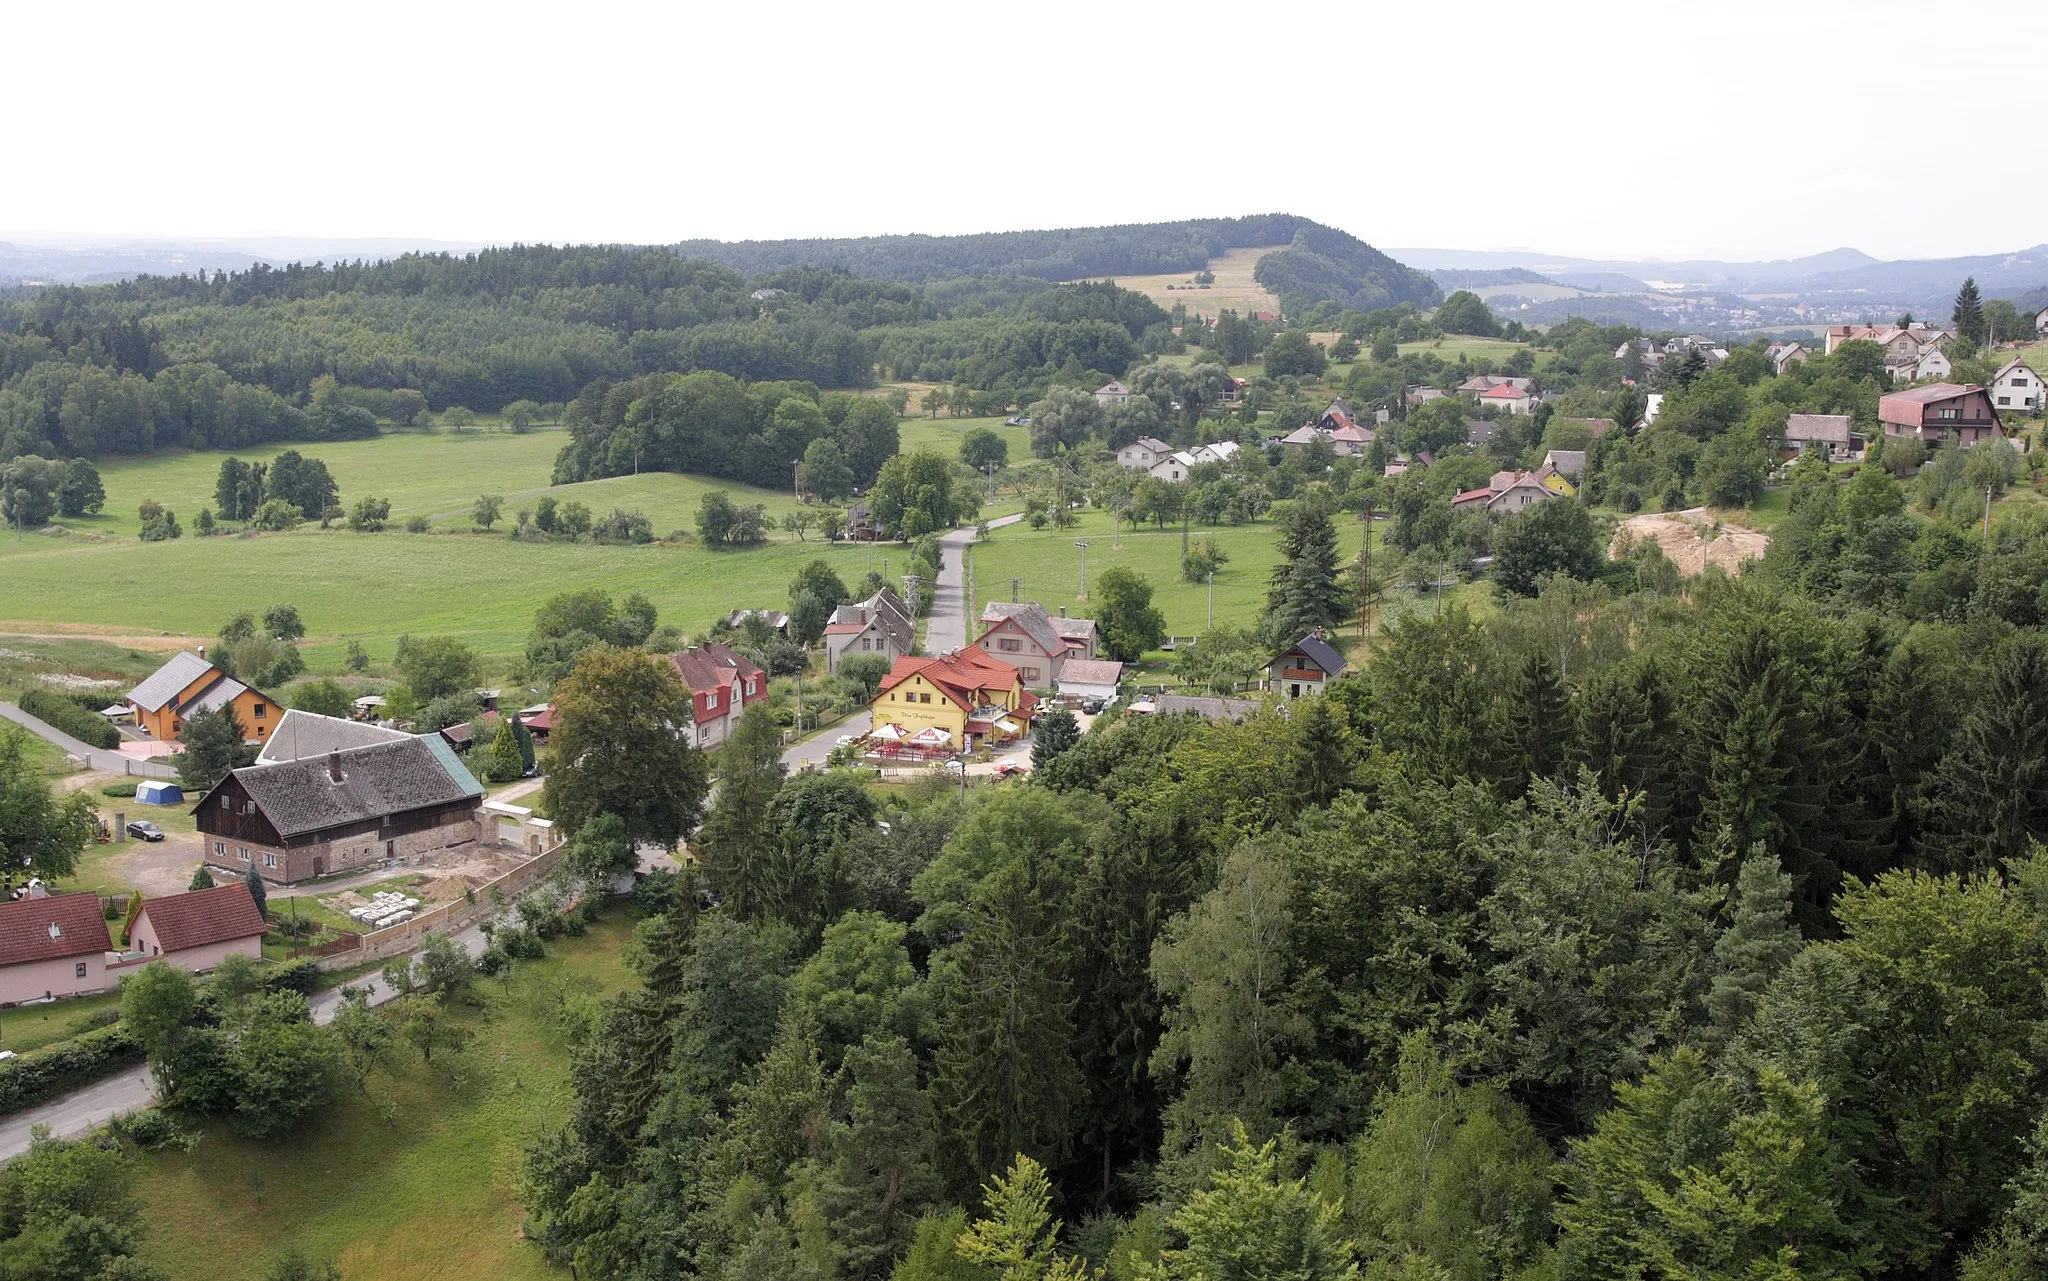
x=1693, y=539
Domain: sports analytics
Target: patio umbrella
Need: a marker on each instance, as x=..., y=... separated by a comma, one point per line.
x=890, y=732
x=931, y=736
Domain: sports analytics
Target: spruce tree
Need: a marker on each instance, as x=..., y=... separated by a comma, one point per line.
x=881, y=1174
x=1968, y=315
x=1760, y=940
x=1321, y=757
x=1057, y=731
x=737, y=839
x=1004, y=1075
x=201, y=879
x=1307, y=592
x=1539, y=722
x=1994, y=780
x=256, y=890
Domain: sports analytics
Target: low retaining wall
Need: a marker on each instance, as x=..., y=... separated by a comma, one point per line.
x=445, y=919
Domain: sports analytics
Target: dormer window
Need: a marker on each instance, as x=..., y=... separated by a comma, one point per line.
x=711, y=700
x=55, y=933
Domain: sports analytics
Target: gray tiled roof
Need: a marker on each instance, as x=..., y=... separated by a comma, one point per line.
x=1320, y=652
x=1032, y=618
x=165, y=682
x=301, y=734
x=226, y=689
x=378, y=781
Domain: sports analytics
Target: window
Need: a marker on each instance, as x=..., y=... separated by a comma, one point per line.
x=243, y=850
x=79, y=969
x=2018, y=381
x=711, y=700
x=865, y=643
x=1948, y=413
x=1030, y=673
x=270, y=860
x=220, y=848
x=1009, y=644
x=260, y=710
x=750, y=685
x=2005, y=400
x=225, y=802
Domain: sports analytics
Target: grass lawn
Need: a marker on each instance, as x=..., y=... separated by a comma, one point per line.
x=1048, y=565
x=30, y=1027
x=375, y=587
x=433, y=1196
x=942, y=436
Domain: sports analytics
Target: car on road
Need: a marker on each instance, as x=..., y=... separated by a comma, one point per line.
x=144, y=830
x=848, y=740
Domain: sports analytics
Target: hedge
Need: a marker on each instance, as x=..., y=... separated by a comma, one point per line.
x=88, y=727
x=41, y=1075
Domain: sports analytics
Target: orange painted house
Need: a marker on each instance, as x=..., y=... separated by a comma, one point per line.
x=188, y=683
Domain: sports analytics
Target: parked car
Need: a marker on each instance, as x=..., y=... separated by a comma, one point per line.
x=144, y=830
x=1092, y=706
x=848, y=740
x=1008, y=769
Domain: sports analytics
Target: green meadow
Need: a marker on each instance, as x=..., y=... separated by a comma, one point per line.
x=419, y=1178
x=1048, y=566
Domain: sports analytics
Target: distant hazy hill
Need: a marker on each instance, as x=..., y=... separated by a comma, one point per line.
x=1453, y=279
x=96, y=260
x=1694, y=271
x=1319, y=263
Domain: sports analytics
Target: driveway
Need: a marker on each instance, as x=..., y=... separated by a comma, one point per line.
x=112, y=762
x=96, y=1104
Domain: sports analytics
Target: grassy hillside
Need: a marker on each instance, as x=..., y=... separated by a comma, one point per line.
x=1234, y=288
x=427, y=1190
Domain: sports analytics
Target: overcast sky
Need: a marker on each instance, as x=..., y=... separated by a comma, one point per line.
x=1724, y=128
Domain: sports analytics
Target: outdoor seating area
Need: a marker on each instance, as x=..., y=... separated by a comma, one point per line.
x=891, y=741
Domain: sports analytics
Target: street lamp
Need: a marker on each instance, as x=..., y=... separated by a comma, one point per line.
x=1082, y=543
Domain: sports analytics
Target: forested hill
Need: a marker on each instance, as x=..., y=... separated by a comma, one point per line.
x=1070, y=253
x=1319, y=263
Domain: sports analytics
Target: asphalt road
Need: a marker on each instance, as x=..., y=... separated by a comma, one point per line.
x=95, y=1104
x=113, y=762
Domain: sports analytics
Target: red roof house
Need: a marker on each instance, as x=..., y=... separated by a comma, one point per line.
x=1940, y=411
x=193, y=931
x=722, y=684
x=52, y=945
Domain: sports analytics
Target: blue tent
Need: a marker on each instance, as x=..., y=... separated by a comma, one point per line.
x=154, y=793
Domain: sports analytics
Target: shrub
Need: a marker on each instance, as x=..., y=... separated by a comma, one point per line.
x=417, y=524
x=301, y=976
x=43, y=1074
x=118, y=789
x=87, y=727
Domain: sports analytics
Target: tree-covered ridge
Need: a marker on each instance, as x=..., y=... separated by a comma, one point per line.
x=1071, y=253
x=1322, y=264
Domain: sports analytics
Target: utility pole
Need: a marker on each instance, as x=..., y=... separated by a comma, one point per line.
x=1015, y=585
x=1212, y=600
x=1083, y=545
x=1987, y=520
x=796, y=484
x=991, y=482
x=1365, y=576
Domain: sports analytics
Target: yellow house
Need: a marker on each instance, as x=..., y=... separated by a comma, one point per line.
x=187, y=684
x=966, y=696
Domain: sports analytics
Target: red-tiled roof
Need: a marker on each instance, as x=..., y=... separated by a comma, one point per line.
x=201, y=917
x=710, y=666
x=1472, y=496
x=1503, y=391
x=959, y=676
x=52, y=928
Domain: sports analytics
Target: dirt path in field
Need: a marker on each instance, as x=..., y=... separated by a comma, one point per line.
x=1693, y=539
x=40, y=629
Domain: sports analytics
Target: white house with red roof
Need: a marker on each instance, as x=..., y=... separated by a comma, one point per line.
x=722, y=685
x=1507, y=396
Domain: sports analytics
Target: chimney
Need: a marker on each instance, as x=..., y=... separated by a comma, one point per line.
x=334, y=767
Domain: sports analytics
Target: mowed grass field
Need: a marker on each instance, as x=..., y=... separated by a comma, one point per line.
x=1234, y=288
x=1451, y=346
x=434, y=1193
x=942, y=436
x=1049, y=566
x=377, y=587
x=438, y=475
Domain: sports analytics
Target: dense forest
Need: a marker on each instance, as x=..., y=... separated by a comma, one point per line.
x=1626, y=934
